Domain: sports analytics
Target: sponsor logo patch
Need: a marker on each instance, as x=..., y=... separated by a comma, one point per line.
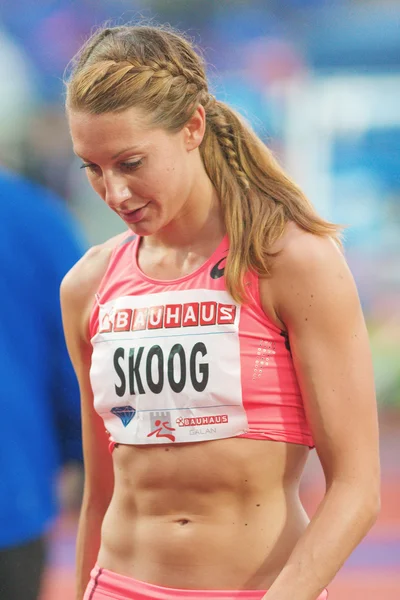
x=169, y=316
x=198, y=421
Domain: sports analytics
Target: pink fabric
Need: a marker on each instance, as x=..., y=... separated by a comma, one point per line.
x=105, y=585
x=270, y=392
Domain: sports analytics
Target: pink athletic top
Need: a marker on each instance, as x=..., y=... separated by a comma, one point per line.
x=181, y=361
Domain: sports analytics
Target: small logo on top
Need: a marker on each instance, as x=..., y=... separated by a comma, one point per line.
x=217, y=271
x=160, y=425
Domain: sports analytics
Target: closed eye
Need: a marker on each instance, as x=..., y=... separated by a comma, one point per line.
x=127, y=166
x=91, y=167
x=131, y=166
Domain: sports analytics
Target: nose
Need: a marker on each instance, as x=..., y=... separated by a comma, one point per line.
x=116, y=191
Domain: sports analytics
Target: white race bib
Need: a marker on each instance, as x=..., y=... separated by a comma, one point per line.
x=166, y=367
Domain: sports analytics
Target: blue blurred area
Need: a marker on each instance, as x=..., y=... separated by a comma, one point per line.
x=39, y=392
x=365, y=37
x=307, y=74
x=340, y=34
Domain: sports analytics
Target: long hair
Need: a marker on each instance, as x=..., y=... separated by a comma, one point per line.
x=158, y=69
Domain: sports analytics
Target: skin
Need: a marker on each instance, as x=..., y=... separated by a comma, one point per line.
x=223, y=514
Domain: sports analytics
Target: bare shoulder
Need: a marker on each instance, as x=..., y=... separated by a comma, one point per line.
x=89, y=270
x=310, y=273
x=82, y=280
x=300, y=249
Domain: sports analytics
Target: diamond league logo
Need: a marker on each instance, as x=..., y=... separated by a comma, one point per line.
x=125, y=413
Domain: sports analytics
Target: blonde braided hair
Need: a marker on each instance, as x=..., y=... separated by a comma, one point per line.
x=158, y=70
x=226, y=137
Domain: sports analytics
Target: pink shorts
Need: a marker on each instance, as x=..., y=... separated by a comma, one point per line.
x=107, y=585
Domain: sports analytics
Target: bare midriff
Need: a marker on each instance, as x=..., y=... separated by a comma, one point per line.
x=222, y=514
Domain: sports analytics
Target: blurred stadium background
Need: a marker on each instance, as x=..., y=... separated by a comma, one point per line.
x=320, y=82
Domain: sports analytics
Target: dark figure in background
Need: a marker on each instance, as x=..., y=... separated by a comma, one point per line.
x=39, y=395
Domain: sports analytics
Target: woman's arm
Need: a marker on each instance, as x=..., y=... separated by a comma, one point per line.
x=315, y=297
x=98, y=487
x=77, y=292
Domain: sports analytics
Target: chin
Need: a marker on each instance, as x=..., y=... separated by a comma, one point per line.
x=143, y=228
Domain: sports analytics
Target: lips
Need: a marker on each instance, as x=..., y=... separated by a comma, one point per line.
x=127, y=213
x=133, y=216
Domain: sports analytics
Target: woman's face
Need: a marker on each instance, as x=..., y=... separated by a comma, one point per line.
x=143, y=173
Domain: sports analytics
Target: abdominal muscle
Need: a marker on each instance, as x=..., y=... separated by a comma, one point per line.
x=222, y=514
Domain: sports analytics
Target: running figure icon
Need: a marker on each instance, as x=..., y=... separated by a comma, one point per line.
x=161, y=428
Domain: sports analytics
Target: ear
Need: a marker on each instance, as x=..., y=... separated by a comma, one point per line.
x=195, y=128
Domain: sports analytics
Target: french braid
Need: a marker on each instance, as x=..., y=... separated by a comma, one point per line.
x=226, y=137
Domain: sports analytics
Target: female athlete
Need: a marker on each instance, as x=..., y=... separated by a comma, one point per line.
x=216, y=342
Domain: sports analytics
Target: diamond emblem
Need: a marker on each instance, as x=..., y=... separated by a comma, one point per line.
x=125, y=413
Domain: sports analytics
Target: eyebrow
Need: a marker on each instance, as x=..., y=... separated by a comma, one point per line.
x=114, y=155
x=123, y=151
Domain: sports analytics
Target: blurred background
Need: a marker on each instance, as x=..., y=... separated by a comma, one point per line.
x=319, y=80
